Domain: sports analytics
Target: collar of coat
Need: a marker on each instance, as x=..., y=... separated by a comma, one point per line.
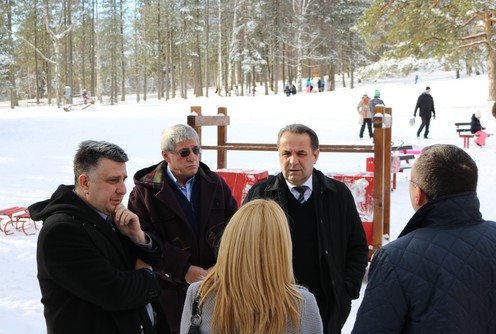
x=320, y=182
x=452, y=210
x=154, y=175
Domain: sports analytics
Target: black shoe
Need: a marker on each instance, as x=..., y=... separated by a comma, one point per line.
x=426, y=137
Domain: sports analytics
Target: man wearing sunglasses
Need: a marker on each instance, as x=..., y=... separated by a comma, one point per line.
x=186, y=206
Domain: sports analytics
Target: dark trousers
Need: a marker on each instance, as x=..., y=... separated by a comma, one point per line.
x=426, y=121
x=368, y=122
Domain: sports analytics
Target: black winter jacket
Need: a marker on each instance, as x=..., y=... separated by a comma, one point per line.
x=86, y=271
x=439, y=276
x=475, y=124
x=342, y=244
x=425, y=103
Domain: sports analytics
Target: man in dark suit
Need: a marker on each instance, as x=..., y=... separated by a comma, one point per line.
x=330, y=250
x=94, y=261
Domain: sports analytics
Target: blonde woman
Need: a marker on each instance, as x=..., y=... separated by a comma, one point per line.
x=252, y=289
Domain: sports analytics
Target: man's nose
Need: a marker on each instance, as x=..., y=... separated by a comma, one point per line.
x=293, y=159
x=121, y=188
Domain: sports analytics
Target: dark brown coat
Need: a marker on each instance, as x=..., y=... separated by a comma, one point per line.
x=155, y=202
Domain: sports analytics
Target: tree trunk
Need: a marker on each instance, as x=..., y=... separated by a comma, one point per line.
x=83, y=48
x=172, y=65
x=136, y=50
x=197, y=75
x=207, y=46
x=69, y=57
x=36, y=57
x=233, y=47
x=122, y=55
x=160, y=78
x=219, y=50
x=14, y=102
x=491, y=73
x=93, y=43
x=332, y=78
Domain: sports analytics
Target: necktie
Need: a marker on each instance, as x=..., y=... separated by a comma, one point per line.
x=301, y=190
x=110, y=221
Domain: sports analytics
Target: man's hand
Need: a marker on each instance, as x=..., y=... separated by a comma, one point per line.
x=195, y=274
x=140, y=264
x=128, y=223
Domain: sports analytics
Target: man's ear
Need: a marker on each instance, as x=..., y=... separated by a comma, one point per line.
x=165, y=155
x=83, y=182
x=420, y=197
x=316, y=156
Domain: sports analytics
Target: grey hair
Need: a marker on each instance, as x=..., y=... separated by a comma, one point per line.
x=90, y=152
x=175, y=134
x=300, y=129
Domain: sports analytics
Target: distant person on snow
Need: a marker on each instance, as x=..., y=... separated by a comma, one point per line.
x=364, y=111
x=425, y=103
x=309, y=86
x=287, y=89
x=376, y=101
x=86, y=98
x=476, y=128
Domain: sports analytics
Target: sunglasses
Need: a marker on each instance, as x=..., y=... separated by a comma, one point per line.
x=186, y=152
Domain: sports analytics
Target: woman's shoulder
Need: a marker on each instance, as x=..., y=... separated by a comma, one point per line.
x=193, y=288
x=311, y=321
x=306, y=294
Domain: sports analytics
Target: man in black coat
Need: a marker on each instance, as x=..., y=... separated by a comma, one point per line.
x=439, y=276
x=330, y=250
x=94, y=261
x=425, y=103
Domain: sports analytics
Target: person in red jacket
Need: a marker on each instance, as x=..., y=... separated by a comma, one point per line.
x=185, y=206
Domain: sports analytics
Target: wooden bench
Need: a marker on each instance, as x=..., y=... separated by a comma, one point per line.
x=405, y=157
x=463, y=130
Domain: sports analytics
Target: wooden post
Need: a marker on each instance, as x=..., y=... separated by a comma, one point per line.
x=222, y=140
x=388, y=119
x=221, y=120
x=197, y=127
x=378, y=181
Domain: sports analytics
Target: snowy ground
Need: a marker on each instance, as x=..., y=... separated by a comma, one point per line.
x=37, y=145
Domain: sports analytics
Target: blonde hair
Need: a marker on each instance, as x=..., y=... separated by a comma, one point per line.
x=253, y=281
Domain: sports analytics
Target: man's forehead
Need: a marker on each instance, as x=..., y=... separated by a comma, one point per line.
x=187, y=143
x=110, y=167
